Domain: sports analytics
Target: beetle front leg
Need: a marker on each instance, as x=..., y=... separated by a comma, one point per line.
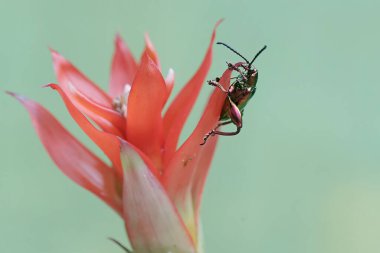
x=233, y=67
x=217, y=84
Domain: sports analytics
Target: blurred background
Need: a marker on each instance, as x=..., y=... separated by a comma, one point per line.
x=303, y=175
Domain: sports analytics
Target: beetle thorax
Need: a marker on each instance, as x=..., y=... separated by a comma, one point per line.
x=252, y=78
x=239, y=93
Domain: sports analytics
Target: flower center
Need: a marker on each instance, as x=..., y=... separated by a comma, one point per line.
x=120, y=103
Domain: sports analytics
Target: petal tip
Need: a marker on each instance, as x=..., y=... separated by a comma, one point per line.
x=52, y=50
x=147, y=38
x=148, y=42
x=57, y=58
x=169, y=79
x=170, y=75
x=50, y=85
x=16, y=95
x=10, y=93
x=54, y=53
x=21, y=98
x=219, y=22
x=118, y=40
x=151, y=50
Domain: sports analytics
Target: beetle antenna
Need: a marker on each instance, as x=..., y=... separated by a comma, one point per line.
x=233, y=50
x=258, y=53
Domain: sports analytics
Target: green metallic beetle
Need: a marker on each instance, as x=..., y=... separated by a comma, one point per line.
x=238, y=94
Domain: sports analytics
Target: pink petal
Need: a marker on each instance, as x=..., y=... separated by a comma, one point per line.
x=151, y=51
x=145, y=103
x=71, y=157
x=180, y=108
x=107, y=142
x=68, y=75
x=152, y=222
x=123, y=69
x=186, y=172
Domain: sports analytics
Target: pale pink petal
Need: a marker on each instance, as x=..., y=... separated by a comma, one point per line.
x=152, y=222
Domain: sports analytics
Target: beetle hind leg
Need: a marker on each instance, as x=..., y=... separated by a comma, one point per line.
x=235, y=116
x=216, y=132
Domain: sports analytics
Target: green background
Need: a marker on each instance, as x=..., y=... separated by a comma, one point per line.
x=303, y=176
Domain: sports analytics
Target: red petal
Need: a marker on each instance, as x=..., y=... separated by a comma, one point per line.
x=181, y=175
x=201, y=171
x=151, y=220
x=71, y=157
x=145, y=102
x=68, y=75
x=87, y=97
x=108, y=120
x=110, y=144
x=180, y=108
x=151, y=51
x=124, y=68
x=107, y=142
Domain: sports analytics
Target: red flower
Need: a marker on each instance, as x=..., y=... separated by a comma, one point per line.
x=153, y=185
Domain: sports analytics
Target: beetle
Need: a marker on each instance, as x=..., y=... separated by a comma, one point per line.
x=238, y=94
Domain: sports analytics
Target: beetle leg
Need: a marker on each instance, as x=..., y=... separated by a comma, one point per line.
x=216, y=132
x=245, y=67
x=223, y=123
x=236, y=117
x=217, y=84
x=237, y=69
x=211, y=133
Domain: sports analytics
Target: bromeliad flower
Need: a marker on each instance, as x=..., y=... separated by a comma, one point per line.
x=154, y=186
